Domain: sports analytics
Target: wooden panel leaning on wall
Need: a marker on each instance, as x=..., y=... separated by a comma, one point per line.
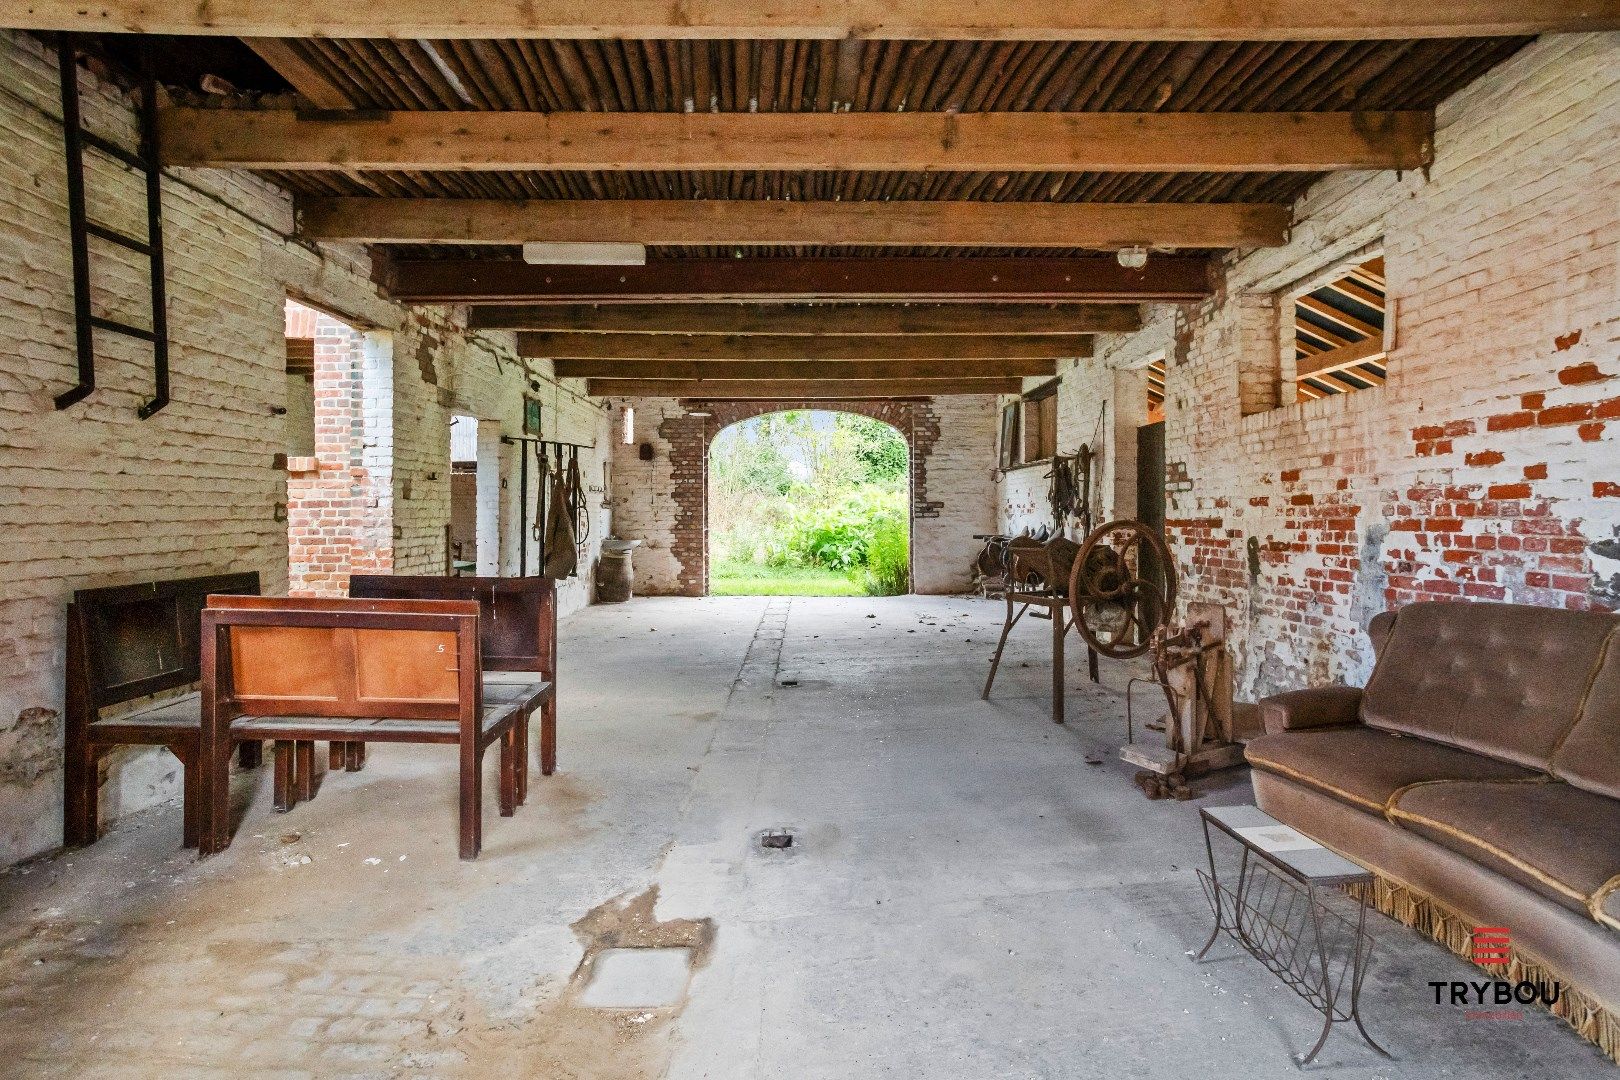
x=298, y=670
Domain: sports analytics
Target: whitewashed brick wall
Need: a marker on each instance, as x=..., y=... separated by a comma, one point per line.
x=92, y=496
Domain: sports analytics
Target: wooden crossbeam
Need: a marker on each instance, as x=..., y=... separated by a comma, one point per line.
x=1167, y=278
x=798, y=389
x=1342, y=318
x=759, y=222
x=800, y=369
x=1323, y=363
x=283, y=139
x=810, y=319
x=318, y=89
x=577, y=346
x=1080, y=20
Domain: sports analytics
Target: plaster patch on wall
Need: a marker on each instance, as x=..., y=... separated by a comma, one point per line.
x=29, y=749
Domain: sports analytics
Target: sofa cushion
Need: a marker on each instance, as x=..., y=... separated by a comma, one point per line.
x=1589, y=756
x=1500, y=679
x=1364, y=767
x=1552, y=837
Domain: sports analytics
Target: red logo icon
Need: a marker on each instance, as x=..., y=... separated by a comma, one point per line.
x=1491, y=945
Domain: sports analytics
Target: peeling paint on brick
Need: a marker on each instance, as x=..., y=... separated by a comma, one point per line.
x=31, y=747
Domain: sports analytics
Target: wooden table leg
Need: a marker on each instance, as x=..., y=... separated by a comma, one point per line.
x=548, y=736
x=304, y=770
x=508, y=770
x=283, y=785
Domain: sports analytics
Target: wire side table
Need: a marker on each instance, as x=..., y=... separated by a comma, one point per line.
x=1275, y=912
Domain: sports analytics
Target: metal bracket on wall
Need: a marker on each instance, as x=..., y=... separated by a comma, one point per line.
x=146, y=161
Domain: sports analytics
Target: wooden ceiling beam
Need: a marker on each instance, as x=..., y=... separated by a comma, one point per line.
x=760, y=222
x=1167, y=278
x=285, y=140
x=801, y=369
x=1077, y=20
x=798, y=389
x=582, y=346
x=811, y=319
x=316, y=87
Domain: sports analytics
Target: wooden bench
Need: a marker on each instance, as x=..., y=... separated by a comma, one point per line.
x=517, y=631
x=300, y=670
x=123, y=644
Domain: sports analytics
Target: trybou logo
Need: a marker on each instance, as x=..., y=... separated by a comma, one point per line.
x=1493, y=945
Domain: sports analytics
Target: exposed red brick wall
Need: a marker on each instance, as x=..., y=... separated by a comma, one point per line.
x=333, y=520
x=1488, y=466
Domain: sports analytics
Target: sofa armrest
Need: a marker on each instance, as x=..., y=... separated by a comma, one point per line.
x=1323, y=706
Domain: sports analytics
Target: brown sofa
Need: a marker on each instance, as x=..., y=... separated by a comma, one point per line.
x=1479, y=770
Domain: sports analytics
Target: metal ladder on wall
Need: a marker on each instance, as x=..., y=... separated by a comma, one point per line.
x=81, y=228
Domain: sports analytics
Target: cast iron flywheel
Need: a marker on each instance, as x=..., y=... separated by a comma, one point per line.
x=1122, y=588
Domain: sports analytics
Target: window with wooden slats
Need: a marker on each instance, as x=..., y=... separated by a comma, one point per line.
x=1339, y=330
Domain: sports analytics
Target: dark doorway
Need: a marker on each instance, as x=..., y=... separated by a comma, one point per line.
x=1150, y=492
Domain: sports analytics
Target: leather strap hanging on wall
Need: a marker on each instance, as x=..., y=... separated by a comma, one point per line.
x=562, y=557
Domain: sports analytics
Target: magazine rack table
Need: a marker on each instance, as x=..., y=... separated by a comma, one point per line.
x=1278, y=910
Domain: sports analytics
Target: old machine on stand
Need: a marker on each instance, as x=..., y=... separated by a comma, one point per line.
x=1117, y=588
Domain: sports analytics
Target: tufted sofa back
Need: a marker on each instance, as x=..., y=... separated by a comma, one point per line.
x=1589, y=756
x=1504, y=680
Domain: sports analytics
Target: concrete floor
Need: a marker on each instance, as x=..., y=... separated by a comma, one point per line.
x=967, y=896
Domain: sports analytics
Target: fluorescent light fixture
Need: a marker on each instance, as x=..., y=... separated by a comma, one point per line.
x=627, y=417
x=544, y=252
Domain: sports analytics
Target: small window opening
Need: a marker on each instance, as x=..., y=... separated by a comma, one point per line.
x=1339, y=334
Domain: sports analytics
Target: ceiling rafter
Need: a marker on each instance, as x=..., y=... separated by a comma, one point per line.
x=287, y=140
x=750, y=223
x=1102, y=20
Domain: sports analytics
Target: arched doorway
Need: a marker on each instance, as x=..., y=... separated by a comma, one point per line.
x=808, y=501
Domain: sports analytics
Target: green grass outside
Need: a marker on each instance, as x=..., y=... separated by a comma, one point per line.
x=754, y=579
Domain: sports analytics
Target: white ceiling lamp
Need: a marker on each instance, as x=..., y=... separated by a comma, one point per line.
x=548, y=253
x=1132, y=258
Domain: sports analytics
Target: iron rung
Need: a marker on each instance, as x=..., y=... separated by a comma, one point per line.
x=116, y=237
x=116, y=327
x=112, y=149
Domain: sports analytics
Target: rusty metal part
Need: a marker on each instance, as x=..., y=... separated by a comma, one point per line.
x=1117, y=607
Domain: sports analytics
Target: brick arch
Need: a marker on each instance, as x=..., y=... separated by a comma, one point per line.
x=691, y=436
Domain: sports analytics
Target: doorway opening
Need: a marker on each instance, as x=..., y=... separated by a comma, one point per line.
x=809, y=502
x=461, y=541
x=339, y=428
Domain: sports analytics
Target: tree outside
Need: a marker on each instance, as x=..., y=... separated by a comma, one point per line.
x=809, y=503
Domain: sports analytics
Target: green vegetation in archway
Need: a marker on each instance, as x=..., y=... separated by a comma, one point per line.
x=809, y=503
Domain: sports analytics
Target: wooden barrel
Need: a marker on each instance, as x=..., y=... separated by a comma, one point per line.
x=614, y=577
